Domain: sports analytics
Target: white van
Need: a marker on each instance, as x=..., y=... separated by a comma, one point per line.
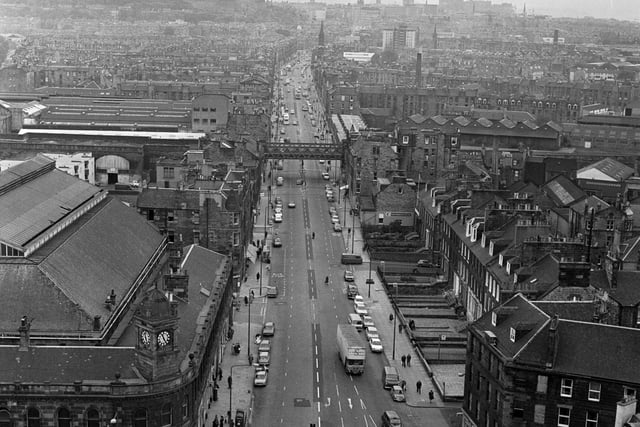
x=356, y=321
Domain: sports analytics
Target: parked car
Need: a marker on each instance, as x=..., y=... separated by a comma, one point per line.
x=332, y=210
x=269, y=329
x=397, y=394
x=264, y=358
x=240, y=419
x=265, y=345
x=376, y=345
x=260, y=377
x=277, y=217
x=367, y=321
x=277, y=242
x=337, y=226
x=425, y=263
x=326, y=176
x=372, y=332
x=335, y=218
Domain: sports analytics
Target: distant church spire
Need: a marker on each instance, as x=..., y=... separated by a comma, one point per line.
x=524, y=10
x=321, y=35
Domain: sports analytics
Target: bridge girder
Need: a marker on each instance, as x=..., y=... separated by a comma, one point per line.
x=304, y=151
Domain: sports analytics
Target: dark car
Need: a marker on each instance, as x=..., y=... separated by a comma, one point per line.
x=240, y=419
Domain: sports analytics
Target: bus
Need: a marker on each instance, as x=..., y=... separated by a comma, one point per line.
x=285, y=117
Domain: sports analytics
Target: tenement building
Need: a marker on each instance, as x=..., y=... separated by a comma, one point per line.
x=528, y=367
x=96, y=330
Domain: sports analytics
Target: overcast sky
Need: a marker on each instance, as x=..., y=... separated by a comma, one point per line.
x=619, y=9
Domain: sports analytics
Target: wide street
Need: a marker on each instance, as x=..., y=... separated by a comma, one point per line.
x=307, y=383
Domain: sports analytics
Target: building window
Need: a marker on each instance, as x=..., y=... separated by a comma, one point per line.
x=610, y=223
x=592, y=419
x=538, y=414
x=168, y=172
x=629, y=393
x=33, y=417
x=380, y=218
x=93, y=418
x=166, y=415
x=542, y=384
x=5, y=418
x=140, y=418
x=566, y=387
x=64, y=417
x=236, y=238
x=185, y=407
x=564, y=416
x=235, y=218
x=171, y=216
x=376, y=150
x=518, y=409
x=594, y=392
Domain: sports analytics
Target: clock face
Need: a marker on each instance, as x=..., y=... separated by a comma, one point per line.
x=145, y=338
x=164, y=338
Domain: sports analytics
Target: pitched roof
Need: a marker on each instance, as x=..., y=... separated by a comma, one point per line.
x=562, y=191
x=169, y=198
x=606, y=169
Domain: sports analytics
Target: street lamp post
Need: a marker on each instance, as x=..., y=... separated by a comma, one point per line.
x=369, y=280
x=393, y=357
x=353, y=231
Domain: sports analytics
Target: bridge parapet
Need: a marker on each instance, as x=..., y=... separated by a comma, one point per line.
x=304, y=151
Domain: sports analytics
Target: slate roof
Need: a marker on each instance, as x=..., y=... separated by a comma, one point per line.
x=611, y=168
x=64, y=284
x=569, y=310
x=586, y=349
x=168, y=198
x=562, y=191
x=66, y=364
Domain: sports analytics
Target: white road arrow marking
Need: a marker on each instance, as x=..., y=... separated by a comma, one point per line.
x=328, y=402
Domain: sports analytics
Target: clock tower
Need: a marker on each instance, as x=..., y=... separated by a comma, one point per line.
x=155, y=321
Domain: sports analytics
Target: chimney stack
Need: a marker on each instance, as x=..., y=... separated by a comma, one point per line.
x=552, y=341
x=25, y=326
x=419, y=69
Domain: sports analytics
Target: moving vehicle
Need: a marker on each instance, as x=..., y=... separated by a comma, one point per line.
x=285, y=117
x=260, y=377
x=325, y=176
x=279, y=181
x=391, y=419
x=291, y=204
x=277, y=217
x=272, y=292
x=240, y=419
x=397, y=394
x=269, y=329
x=277, y=242
x=352, y=291
x=348, y=276
x=351, y=349
x=347, y=258
x=356, y=321
x=390, y=377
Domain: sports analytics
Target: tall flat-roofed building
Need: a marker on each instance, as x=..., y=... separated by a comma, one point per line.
x=401, y=37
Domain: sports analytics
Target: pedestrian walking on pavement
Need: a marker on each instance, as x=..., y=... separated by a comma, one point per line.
x=408, y=360
x=215, y=422
x=419, y=387
x=403, y=385
x=391, y=317
x=404, y=361
x=229, y=380
x=258, y=276
x=430, y=396
x=313, y=235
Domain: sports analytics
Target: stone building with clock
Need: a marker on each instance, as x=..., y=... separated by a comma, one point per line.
x=95, y=329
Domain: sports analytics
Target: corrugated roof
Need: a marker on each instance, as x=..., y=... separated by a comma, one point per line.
x=35, y=205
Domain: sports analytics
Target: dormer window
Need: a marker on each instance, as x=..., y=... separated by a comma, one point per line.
x=512, y=334
x=491, y=248
x=484, y=241
x=501, y=260
x=494, y=318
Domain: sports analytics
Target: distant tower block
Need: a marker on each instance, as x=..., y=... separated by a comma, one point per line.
x=435, y=37
x=555, y=36
x=407, y=2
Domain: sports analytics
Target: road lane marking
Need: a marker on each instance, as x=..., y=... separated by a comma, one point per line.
x=356, y=389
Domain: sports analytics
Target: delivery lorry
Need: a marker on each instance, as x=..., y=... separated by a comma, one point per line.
x=351, y=349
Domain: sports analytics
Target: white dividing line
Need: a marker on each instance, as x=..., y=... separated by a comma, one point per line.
x=356, y=389
x=316, y=363
x=317, y=376
x=337, y=391
x=318, y=392
x=339, y=406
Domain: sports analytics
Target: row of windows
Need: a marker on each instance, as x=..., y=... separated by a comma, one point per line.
x=91, y=418
x=204, y=121
x=204, y=109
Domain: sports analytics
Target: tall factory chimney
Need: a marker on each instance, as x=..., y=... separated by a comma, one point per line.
x=419, y=68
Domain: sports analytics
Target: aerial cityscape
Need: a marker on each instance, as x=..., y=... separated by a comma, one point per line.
x=371, y=214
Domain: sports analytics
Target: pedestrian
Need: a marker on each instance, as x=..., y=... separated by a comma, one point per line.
x=430, y=396
x=246, y=300
x=400, y=327
x=258, y=276
x=408, y=360
x=419, y=387
x=221, y=420
x=404, y=361
x=391, y=317
x=313, y=235
x=252, y=295
x=215, y=421
x=229, y=380
x=403, y=385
